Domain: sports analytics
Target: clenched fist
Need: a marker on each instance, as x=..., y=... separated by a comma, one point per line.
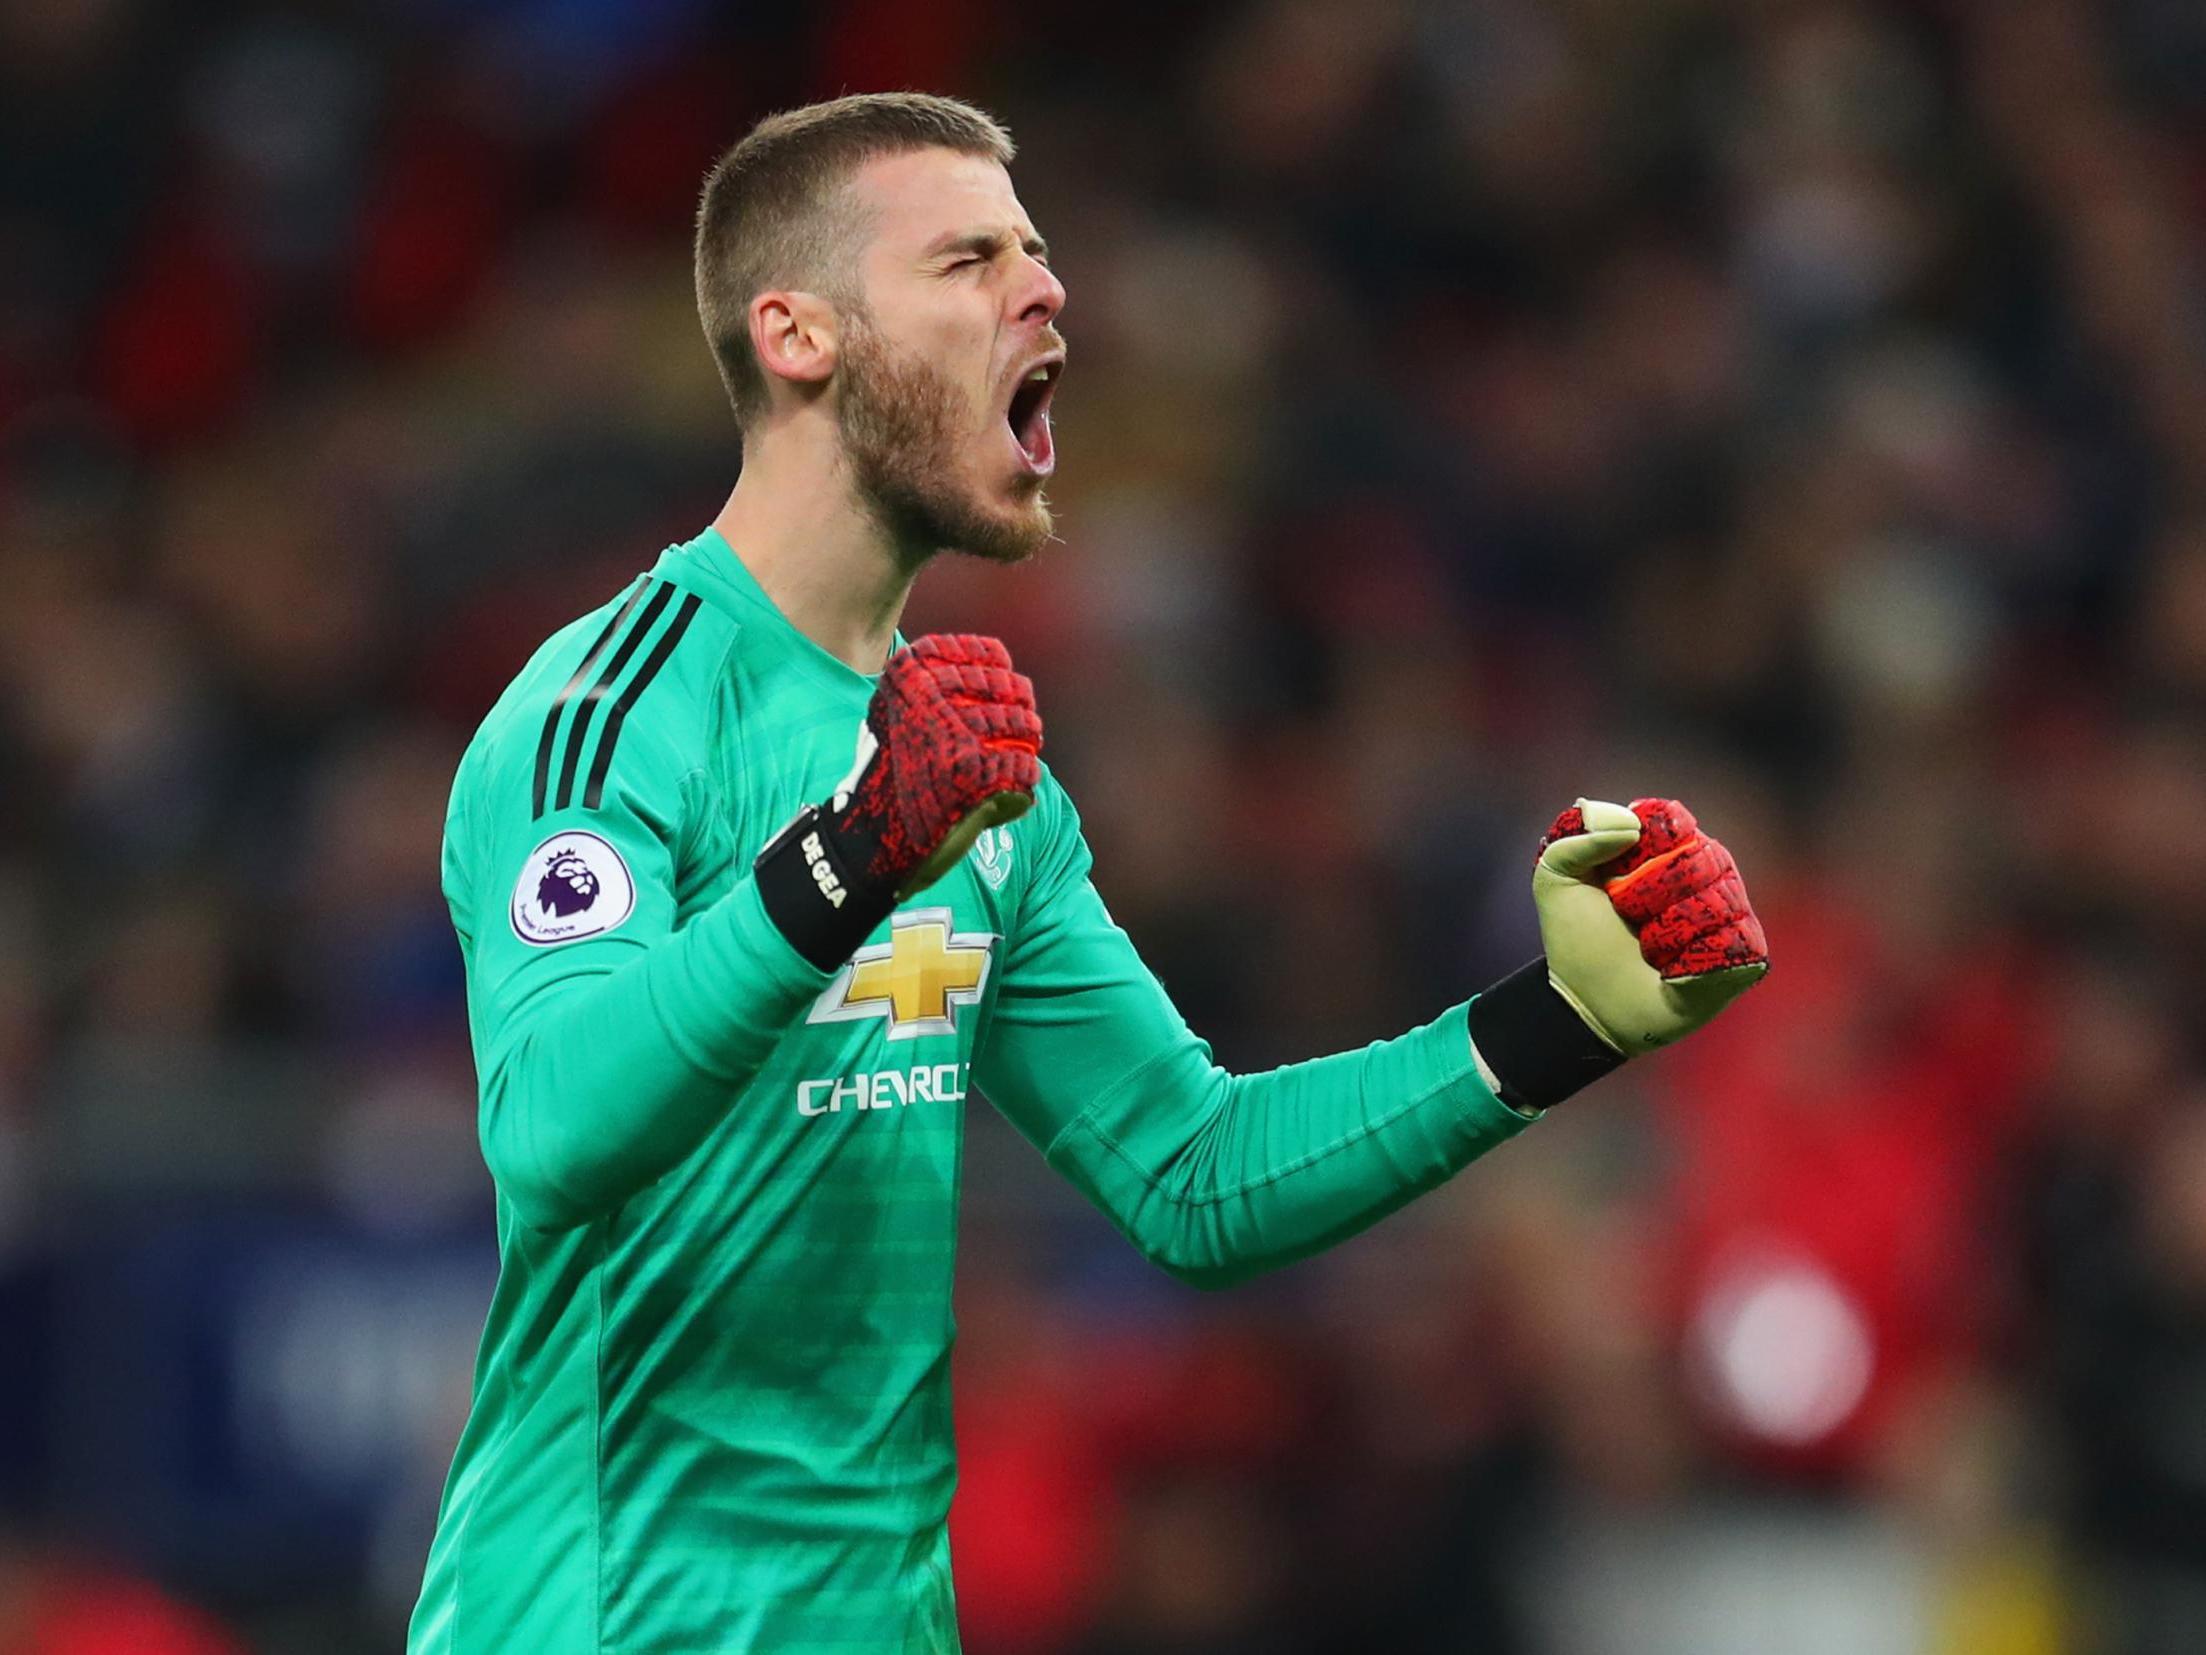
x=950, y=746
x=1649, y=934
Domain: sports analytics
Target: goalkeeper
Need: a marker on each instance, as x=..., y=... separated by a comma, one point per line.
x=752, y=893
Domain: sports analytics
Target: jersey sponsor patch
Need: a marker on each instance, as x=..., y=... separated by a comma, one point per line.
x=573, y=885
x=915, y=982
x=882, y=1089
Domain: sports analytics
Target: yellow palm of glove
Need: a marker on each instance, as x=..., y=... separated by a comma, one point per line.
x=1594, y=959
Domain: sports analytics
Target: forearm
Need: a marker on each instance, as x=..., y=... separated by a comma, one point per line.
x=672, y=1035
x=1217, y=1176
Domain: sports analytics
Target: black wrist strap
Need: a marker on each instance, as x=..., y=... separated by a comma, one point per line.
x=1538, y=1047
x=812, y=894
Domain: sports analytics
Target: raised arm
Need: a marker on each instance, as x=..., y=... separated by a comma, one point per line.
x=1217, y=1176
x=609, y=1040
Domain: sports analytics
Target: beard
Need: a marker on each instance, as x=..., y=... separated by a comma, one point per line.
x=903, y=428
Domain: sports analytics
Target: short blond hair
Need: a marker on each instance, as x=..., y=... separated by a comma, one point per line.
x=775, y=212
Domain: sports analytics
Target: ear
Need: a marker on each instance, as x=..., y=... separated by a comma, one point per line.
x=794, y=335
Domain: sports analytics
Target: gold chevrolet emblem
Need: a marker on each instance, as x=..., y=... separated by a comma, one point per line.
x=915, y=981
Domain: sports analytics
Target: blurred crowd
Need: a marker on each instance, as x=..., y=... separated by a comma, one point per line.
x=1794, y=406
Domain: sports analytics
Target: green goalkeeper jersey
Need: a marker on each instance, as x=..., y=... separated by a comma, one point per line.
x=711, y=1409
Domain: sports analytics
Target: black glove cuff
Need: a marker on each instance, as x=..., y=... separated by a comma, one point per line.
x=1537, y=1045
x=812, y=894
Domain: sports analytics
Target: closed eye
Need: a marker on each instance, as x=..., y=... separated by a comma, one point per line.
x=981, y=248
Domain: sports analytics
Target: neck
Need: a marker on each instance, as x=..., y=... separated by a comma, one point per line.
x=796, y=522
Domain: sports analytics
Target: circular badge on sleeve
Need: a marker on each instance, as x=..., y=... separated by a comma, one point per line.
x=573, y=885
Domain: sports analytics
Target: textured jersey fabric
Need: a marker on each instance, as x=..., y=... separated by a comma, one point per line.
x=711, y=1408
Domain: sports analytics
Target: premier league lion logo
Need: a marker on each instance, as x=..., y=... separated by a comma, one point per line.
x=568, y=885
x=573, y=885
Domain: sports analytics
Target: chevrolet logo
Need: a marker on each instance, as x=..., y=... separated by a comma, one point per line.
x=915, y=981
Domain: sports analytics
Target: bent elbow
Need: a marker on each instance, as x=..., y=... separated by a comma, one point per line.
x=539, y=1196
x=1204, y=1267
x=1206, y=1278
x=1199, y=1241
x=538, y=1171
x=539, y=1202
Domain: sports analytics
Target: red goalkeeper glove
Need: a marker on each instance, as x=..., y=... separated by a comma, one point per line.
x=1649, y=934
x=950, y=747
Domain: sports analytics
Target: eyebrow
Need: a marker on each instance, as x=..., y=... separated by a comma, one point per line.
x=987, y=243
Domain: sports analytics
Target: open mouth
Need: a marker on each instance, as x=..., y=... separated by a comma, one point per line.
x=1028, y=417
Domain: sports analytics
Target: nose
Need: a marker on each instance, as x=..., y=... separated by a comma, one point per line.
x=1042, y=295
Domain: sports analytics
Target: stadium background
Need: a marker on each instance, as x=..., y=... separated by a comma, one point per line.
x=1794, y=405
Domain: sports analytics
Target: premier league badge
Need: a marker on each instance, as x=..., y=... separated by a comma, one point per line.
x=573, y=885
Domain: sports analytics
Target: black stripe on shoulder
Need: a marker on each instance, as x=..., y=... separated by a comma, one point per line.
x=566, y=694
x=636, y=686
x=578, y=731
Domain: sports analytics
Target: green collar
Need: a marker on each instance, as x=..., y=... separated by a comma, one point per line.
x=709, y=567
